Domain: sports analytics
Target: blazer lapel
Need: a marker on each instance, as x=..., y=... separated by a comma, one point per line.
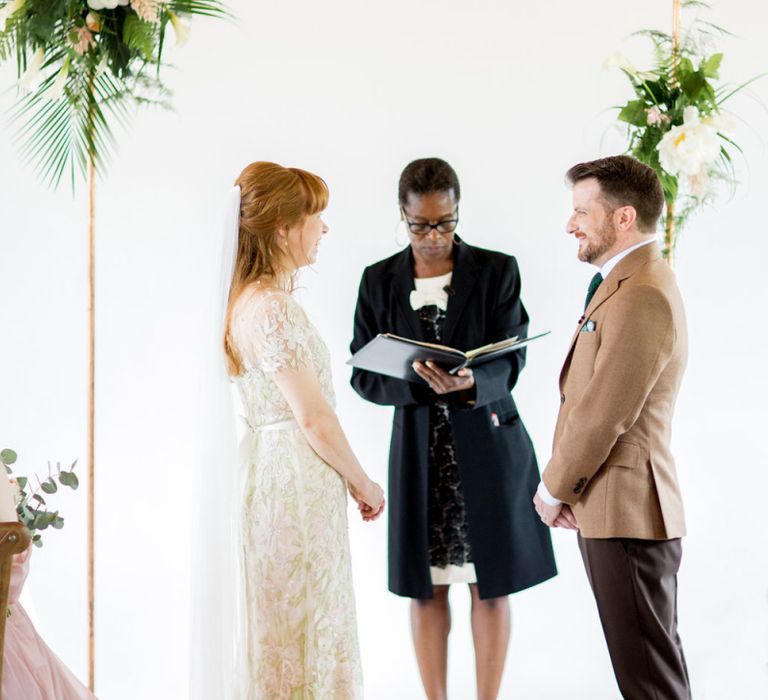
x=604, y=291
x=463, y=281
x=402, y=286
x=625, y=268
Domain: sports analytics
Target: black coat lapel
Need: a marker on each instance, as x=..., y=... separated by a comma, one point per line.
x=462, y=283
x=402, y=286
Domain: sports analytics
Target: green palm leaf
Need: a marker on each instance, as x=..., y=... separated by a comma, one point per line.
x=206, y=8
x=104, y=86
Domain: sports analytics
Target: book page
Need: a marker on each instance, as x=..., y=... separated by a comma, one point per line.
x=434, y=346
x=491, y=347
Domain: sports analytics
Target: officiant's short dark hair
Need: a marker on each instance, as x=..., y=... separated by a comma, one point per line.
x=425, y=176
x=625, y=180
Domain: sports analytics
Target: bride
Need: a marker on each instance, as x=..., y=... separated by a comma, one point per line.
x=299, y=629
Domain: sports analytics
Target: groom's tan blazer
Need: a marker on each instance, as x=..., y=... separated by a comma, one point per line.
x=611, y=454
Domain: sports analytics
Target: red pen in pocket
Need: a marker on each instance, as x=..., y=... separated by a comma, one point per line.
x=495, y=420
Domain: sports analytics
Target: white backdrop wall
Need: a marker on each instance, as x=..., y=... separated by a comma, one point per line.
x=511, y=94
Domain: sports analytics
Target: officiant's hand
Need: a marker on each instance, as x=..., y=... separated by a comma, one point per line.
x=440, y=381
x=369, y=498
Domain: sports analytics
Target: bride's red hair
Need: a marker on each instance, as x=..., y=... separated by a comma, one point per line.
x=271, y=198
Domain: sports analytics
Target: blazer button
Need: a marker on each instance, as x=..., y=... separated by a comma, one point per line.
x=562, y=398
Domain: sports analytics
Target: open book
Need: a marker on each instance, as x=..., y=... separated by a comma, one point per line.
x=394, y=356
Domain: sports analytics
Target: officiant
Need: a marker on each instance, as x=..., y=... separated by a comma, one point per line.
x=462, y=469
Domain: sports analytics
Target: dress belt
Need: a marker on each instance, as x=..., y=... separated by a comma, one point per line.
x=289, y=424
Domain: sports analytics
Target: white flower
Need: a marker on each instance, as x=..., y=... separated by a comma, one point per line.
x=180, y=28
x=33, y=69
x=618, y=60
x=691, y=115
x=57, y=89
x=102, y=66
x=6, y=12
x=106, y=4
x=722, y=122
x=690, y=147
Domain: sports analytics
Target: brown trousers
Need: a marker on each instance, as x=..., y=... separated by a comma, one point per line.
x=635, y=586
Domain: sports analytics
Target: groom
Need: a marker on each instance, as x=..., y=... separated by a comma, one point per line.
x=612, y=475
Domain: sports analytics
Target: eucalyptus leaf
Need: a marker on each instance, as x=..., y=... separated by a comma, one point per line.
x=8, y=456
x=69, y=479
x=49, y=486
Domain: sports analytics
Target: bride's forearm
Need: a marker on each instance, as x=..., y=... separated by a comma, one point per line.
x=326, y=437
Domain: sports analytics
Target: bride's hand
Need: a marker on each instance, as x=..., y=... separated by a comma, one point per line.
x=370, y=499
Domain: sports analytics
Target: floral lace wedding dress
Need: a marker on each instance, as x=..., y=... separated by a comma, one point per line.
x=301, y=626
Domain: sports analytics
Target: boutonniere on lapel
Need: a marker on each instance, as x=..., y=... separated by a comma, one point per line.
x=588, y=327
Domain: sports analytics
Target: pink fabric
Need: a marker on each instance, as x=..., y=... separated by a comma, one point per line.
x=31, y=671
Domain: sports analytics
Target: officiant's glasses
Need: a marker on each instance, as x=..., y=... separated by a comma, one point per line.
x=422, y=229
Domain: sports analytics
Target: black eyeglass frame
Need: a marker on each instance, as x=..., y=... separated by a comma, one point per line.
x=410, y=224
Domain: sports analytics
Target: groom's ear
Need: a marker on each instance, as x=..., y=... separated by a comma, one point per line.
x=625, y=217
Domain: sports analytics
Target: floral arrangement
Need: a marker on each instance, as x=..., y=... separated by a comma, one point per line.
x=31, y=505
x=80, y=61
x=676, y=122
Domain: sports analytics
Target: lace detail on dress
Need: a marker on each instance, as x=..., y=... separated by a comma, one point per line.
x=273, y=335
x=271, y=331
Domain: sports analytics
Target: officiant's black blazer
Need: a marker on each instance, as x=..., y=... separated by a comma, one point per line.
x=511, y=548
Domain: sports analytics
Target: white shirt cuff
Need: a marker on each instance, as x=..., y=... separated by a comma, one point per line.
x=546, y=496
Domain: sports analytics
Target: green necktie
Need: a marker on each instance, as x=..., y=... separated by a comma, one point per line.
x=593, y=285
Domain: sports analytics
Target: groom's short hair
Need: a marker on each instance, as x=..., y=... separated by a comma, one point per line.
x=624, y=181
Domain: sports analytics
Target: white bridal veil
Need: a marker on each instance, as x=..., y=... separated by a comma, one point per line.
x=217, y=634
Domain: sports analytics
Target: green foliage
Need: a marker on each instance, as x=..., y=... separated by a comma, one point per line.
x=683, y=77
x=634, y=112
x=97, y=68
x=139, y=35
x=31, y=506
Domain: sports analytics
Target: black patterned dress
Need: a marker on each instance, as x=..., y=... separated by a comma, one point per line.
x=446, y=513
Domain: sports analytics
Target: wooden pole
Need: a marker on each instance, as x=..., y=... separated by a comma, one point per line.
x=668, y=250
x=669, y=224
x=676, y=8
x=91, y=408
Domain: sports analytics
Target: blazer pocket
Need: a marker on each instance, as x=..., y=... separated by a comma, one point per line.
x=626, y=454
x=508, y=419
x=586, y=339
